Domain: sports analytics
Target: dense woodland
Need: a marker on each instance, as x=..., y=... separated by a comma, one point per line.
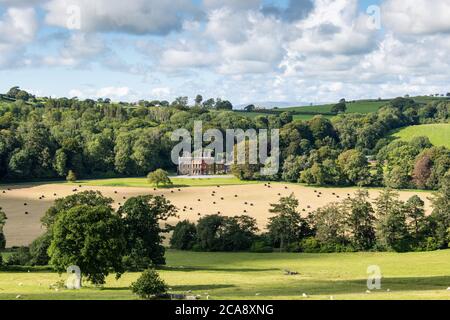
x=44, y=138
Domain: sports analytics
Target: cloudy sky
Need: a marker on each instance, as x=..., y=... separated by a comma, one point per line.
x=242, y=50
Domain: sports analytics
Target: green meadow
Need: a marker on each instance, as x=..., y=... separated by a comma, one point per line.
x=261, y=276
x=177, y=182
x=439, y=134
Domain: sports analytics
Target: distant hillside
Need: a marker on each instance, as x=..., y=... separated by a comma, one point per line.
x=359, y=106
x=439, y=134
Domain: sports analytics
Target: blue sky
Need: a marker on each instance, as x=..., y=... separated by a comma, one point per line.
x=246, y=51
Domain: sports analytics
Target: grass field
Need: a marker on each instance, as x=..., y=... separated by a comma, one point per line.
x=261, y=276
x=178, y=182
x=362, y=106
x=439, y=134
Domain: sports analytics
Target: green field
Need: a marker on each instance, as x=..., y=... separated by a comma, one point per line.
x=439, y=134
x=261, y=276
x=177, y=182
x=362, y=106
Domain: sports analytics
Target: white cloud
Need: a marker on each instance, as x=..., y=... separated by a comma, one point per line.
x=131, y=16
x=161, y=93
x=115, y=93
x=235, y=4
x=18, y=27
x=78, y=49
x=416, y=17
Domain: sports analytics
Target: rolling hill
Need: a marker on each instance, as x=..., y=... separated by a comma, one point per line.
x=439, y=134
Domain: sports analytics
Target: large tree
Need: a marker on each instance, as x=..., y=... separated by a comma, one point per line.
x=141, y=219
x=90, y=237
x=361, y=221
x=2, y=224
x=287, y=225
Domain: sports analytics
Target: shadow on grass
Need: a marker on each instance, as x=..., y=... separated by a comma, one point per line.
x=195, y=269
x=184, y=288
x=331, y=287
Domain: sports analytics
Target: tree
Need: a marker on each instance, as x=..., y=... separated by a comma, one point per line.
x=159, y=177
x=440, y=217
x=238, y=233
x=361, y=221
x=141, y=217
x=355, y=167
x=71, y=176
x=250, y=108
x=209, y=104
x=392, y=229
x=223, y=105
x=341, y=107
x=90, y=237
x=149, y=285
x=416, y=220
x=2, y=224
x=198, y=100
x=208, y=232
x=287, y=225
x=330, y=225
x=88, y=198
x=184, y=236
x=181, y=102
x=39, y=248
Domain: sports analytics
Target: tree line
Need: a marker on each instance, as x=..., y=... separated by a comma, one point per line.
x=98, y=139
x=354, y=224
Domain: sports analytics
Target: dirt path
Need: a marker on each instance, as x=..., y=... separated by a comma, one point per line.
x=22, y=228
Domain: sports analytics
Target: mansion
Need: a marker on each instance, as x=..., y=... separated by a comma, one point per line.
x=201, y=166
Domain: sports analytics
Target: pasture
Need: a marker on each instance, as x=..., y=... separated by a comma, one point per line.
x=439, y=134
x=25, y=204
x=249, y=276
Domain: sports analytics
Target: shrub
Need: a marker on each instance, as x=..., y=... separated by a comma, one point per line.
x=71, y=176
x=149, y=285
x=21, y=257
x=38, y=250
x=184, y=236
x=2, y=241
x=261, y=247
x=310, y=245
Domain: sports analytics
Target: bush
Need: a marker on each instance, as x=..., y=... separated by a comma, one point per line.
x=2, y=241
x=261, y=247
x=184, y=236
x=38, y=250
x=149, y=285
x=310, y=245
x=71, y=176
x=21, y=257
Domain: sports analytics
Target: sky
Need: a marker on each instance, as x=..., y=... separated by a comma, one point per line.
x=246, y=51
